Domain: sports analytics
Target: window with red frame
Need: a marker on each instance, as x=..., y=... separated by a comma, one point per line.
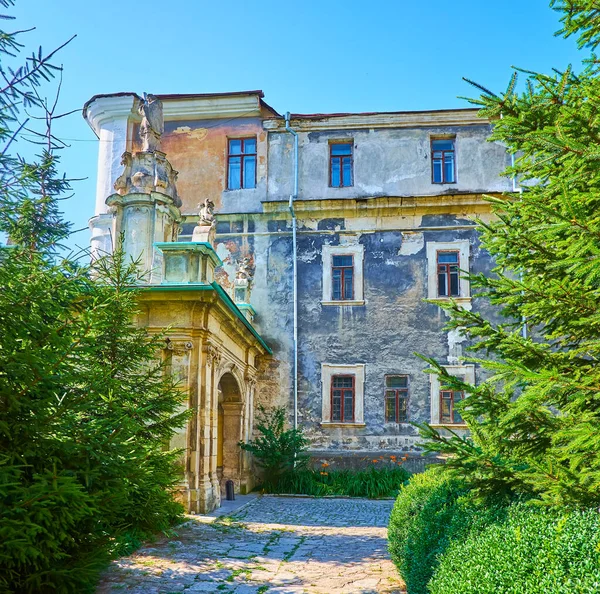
x=340, y=164
x=448, y=399
x=443, y=161
x=342, y=278
x=396, y=398
x=448, y=271
x=241, y=163
x=342, y=398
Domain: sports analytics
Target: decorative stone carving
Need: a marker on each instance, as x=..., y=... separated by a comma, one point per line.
x=243, y=278
x=205, y=230
x=147, y=172
x=152, y=126
x=178, y=347
x=213, y=355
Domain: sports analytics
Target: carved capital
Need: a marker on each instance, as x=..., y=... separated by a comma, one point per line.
x=178, y=347
x=213, y=355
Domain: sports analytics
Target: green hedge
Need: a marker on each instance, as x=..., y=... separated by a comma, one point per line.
x=534, y=551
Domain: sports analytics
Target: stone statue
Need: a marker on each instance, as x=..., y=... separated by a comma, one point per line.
x=206, y=212
x=245, y=269
x=152, y=126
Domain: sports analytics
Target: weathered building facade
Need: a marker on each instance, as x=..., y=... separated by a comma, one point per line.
x=331, y=230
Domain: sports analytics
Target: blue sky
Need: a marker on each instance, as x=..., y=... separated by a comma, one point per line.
x=311, y=56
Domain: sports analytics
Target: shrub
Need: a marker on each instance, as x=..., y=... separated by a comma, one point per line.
x=276, y=449
x=431, y=510
x=534, y=551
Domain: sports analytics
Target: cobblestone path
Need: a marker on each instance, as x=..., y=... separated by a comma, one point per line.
x=272, y=545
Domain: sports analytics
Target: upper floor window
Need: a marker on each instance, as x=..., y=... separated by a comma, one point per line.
x=340, y=164
x=342, y=278
x=342, y=398
x=241, y=163
x=448, y=272
x=396, y=398
x=443, y=161
x=343, y=274
x=448, y=413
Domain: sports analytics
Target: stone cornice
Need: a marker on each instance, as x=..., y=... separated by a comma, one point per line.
x=354, y=121
x=100, y=110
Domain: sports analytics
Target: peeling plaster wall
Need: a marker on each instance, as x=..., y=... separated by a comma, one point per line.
x=383, y=334
x=197, y=149
x=387, y=162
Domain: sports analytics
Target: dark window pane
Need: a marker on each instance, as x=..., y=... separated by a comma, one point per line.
x=396, y=381
x=446, y=144
x=336, y=284
x=446, y=407
x=348, y=405
x=342, y=381
x=347, y=172
x=233, y=182
x=449, y=168
x=235, y=147
x=458, y=396
x=342, y=260
x=336, y=406
x=442, y=289
x=341, y=149
x=335, y=173
x=250, y=145
x=348, y=284
x=447, y=257
x=249, y=172
x=390, y=406
x=454, y=284
x=437, y=171
x=402, y=409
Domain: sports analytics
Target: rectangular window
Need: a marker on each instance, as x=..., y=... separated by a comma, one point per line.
x=241, y=163
x=396, y=398
x=342, y=398
x=340, y=165
x=443, y=161
x=342, y=278
x=448, y=272
x=448, y=398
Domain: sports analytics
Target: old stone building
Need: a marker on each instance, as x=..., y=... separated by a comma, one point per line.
x=291, y=256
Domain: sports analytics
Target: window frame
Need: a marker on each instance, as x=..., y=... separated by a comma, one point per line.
x=243, y=155
x=466, y=373
x=462, y=246
x=343, y=296
x=333, y=157
x=453, y=151
x=453, y=401
x=357, y=251
x=396, y=398
x=342, y=418
x=448, y=273
x=328, y=371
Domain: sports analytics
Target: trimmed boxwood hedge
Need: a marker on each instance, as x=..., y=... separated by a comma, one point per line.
x=533, y=551
x=444, y=543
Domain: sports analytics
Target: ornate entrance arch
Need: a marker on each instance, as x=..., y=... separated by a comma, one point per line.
x=230, y=423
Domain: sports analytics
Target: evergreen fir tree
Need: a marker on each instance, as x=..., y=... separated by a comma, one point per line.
x=86, y=407
x=535, y=422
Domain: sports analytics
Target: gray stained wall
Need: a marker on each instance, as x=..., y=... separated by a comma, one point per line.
x=395, y=322
x=387, y=162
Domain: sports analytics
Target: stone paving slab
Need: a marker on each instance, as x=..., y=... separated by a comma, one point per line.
x=274, y=545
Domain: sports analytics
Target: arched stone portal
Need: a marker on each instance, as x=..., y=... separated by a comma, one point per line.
x=230, y=424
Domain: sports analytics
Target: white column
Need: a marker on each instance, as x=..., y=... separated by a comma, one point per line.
x=109, y=118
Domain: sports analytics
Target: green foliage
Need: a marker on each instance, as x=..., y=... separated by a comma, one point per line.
x=85, y=408
x=276, y=449
x=535, y=422
x=374, y=483
x=421, y=524
x=533, y=551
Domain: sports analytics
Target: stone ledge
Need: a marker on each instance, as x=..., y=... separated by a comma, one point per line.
x=342, y=425
x=343, y=303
